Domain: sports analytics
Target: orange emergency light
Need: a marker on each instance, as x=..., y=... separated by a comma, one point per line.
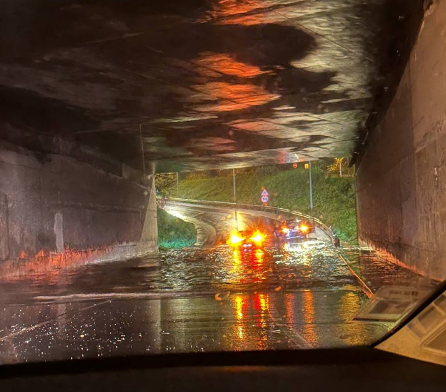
x=258, y=237
x=304, y=228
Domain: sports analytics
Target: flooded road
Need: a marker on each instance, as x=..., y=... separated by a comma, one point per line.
x=197, y=299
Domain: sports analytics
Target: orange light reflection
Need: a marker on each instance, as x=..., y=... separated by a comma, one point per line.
x=233, y=96
x=261, y=312
x=224, y=64
x=238, y=305
x=245, y=13
x=236, y=261
x=351, y=332
x=259, y=256
x=309, y=330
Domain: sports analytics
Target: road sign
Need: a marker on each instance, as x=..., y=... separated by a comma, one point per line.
x=265, y=196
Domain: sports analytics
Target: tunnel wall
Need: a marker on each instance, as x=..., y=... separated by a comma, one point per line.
x=82, y=207
x=401, y=180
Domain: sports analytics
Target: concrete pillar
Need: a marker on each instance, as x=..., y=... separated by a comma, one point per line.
x=149, y=235
x=4, y=234
x=58, y=232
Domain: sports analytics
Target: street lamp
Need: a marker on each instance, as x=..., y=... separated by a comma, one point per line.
x=308, y=166
x=235, y=198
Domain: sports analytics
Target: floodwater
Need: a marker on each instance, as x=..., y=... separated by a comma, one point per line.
x=197, y=299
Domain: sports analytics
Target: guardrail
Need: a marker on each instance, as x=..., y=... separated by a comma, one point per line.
x=327, y=230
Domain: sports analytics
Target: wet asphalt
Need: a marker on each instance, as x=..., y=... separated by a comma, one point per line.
x=209, y=297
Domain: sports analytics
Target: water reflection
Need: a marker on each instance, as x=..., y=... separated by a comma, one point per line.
x=245, y=75
x=252, y=326
x=309, y=315
x=242, y=321
x=241, y=308
x=216, y=270
x=225, y=64
x=195, y=300
x=352, y=333
x=237, y=11
x=248, y=268
x=296, y=75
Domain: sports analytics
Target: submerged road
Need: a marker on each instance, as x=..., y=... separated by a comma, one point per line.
x=205, y=298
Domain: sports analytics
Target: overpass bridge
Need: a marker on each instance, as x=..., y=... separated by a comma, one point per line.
x=98, y=96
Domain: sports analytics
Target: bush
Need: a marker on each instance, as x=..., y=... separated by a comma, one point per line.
x=174, y=232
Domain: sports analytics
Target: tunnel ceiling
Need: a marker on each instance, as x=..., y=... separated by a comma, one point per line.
x=210, y=83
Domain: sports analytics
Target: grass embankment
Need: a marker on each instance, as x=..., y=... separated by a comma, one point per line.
x=333, y=198
x=174, y=232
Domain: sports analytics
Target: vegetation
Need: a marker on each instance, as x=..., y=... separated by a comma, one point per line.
x=288, y=187
x=174, y=232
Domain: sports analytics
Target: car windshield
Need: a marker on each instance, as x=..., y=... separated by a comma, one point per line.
x=217, y=175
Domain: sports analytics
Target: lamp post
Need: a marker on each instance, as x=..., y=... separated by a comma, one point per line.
x=235, y=198
x=311, y=186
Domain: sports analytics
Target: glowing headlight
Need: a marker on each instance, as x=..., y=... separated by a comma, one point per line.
x=258, y=238
x=235, y=239
x=304, y=228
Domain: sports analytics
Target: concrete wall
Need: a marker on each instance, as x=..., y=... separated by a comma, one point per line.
x=401, y=180
x=52, y=204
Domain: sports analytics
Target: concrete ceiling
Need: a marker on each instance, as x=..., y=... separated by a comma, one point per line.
x=211, y=83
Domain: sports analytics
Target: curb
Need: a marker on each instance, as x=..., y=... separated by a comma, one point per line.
x=365, y=288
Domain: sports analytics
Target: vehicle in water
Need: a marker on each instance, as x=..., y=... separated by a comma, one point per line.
x=295, y=229
x=247, y=239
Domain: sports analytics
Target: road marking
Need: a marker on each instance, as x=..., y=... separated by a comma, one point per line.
x=33, y=327
x=109, y=296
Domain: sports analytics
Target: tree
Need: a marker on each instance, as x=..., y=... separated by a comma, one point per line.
x=339, y=167
x=166, y=183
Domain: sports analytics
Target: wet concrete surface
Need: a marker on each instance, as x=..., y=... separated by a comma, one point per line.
x=196, y=299
x=377, y=271
x=213, y=84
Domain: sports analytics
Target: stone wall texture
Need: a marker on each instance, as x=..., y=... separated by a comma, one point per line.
x=401, y=180
x=53, y=204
